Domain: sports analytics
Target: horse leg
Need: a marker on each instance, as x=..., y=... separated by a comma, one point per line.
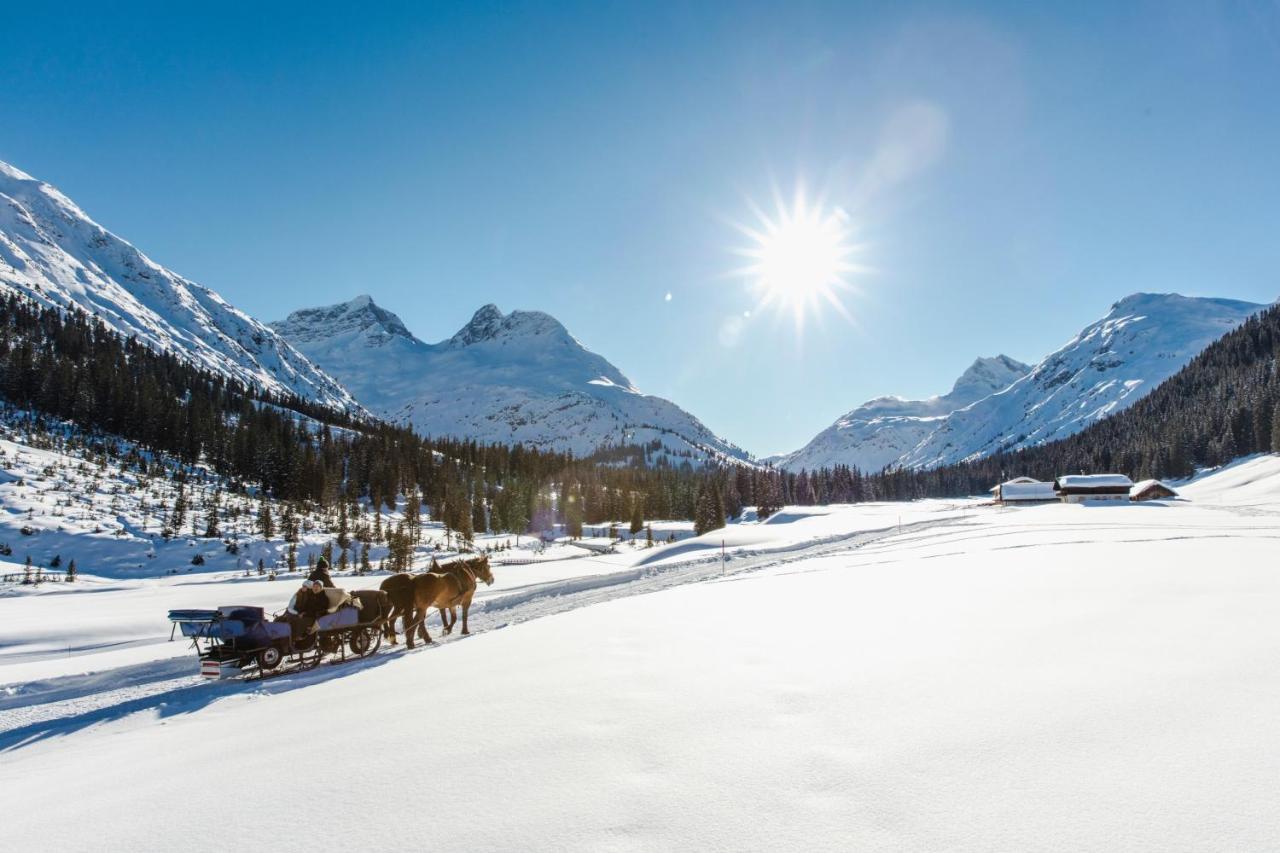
x=466, y=608
x=389, y=626
x=446, y=619
x=410, y=625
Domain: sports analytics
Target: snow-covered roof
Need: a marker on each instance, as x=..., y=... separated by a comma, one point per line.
x=995, y=490
x=1093, y=481
x=1142, y=485
x=1032, y=491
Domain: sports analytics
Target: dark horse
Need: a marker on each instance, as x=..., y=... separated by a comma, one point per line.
x=413, y=596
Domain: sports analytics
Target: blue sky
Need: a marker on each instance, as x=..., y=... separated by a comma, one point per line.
x=1009, y=169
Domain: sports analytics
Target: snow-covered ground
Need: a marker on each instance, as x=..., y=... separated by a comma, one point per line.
x=963, y=677
x=59, y=503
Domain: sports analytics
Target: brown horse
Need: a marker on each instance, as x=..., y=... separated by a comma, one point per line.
x=467, y=572
x=444, y=588
x=413, y=596
x=399, y=589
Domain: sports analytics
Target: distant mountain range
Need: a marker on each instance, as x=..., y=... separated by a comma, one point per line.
x=883, y=430
x=510, y=378
x=1000, y=404
x=522, y=378
x=53, y=252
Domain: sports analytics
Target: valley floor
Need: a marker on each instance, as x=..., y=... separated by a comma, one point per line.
x=935, y=675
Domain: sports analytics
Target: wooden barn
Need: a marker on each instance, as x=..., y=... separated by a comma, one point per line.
x=1078, y=488
x=1151, y=490
x=1023, y=490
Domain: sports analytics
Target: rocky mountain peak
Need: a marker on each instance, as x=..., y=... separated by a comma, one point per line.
x=360, y=315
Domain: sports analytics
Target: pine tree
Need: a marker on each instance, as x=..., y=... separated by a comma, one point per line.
x=465, y=531
x=266, y=525
x=71, y=571
x=289, y=523
x=212, y=509
x=573, y=513
x=344, y=532
x=637, y=512
x=702, y=511
x=768, y=499
x=1275, y=429
x=179, y=514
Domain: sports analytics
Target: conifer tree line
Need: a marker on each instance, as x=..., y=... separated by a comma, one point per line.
x=70, y=367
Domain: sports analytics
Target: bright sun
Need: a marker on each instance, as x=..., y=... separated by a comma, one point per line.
x=800, y=258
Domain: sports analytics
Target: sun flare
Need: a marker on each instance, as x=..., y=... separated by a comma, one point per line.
x=800, y=258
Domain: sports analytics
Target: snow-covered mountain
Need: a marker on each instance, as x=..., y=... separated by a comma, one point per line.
x=53, y=252
x=518, y=377
x=883, y=430
x=1143, y=340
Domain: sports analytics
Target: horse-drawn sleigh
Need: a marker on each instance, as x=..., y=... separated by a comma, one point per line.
x=245, y=640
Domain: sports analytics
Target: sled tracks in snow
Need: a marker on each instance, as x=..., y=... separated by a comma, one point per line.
x=35, y=711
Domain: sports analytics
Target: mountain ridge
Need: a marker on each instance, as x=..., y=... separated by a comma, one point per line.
x=53, y=252
x=516, y=377
x=880, y=430
x=1142, y=340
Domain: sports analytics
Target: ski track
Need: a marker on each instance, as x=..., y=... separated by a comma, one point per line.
x=36, y=711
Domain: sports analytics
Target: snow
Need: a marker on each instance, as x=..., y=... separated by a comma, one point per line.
x=1110, y=365
x=507, y=378
x=1142, y=485
x=1093, y=481
x=1026, y=492
x=52, y=252
x=915, y=676
x=880, y=431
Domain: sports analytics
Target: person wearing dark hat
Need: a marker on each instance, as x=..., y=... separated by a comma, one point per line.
x=321, y=573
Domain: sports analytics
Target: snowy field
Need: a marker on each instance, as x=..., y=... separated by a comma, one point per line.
x=926, y=676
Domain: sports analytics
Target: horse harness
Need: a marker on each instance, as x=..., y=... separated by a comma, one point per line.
x=466, y=579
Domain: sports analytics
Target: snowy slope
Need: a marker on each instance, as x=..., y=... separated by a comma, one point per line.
x=52, y=251
x=881, y=431
x=518, y=377
x=1142, y=341
x=1055, y=678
